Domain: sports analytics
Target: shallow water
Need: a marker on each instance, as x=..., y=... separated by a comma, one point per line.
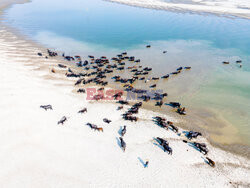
x=212, y=91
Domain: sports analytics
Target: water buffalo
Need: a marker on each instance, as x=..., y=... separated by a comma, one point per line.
x=161, y=141
x=46, y=107
x=78, y=81
x=93, y=126
x=83, y=111
x=166, y=76
x=210, y=162
x=159, y=103
x=62, y=66
x=123, y=102
x=106, y=120
x=175, y=129
x=179, y=69
x=175, y=104
x=81, y=91
x=124, y=130
x=63, y=119
x=123, y=144
x=181, y=111
x=192, y=134
x=202, y=147
x=167, y=148
x=152, y=86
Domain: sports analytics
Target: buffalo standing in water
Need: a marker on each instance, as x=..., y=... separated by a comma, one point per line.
x=168, y=149
x=159, y=103
x=181, y=111
x=166, y=76
x=175, y=104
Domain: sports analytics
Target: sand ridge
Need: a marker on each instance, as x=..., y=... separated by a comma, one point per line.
x=222, y=7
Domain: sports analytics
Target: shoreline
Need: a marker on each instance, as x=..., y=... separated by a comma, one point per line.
x=183, y=124
x=192, y=7
x=50, y=84
x=56, y=41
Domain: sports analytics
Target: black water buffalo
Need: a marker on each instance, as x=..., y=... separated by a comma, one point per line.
x=168, y=149
x=202, y=147
x=175, y=104
x=81, y=91
x=161, y=141
x=106, y=120
x=123, y=144
x=46, y=107
x=192, y=134
x=63, y=119
x=83, y=111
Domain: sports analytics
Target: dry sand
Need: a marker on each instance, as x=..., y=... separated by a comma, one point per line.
x=36, y=152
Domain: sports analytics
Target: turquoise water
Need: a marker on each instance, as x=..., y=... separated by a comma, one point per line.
x=122, y=27
x=202, y=41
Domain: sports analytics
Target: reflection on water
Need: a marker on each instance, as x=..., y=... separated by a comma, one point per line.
x=203, y=42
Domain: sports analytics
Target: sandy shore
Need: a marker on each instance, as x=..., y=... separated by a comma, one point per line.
x=36, y=152
x=6, y=3
x=236, y=8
